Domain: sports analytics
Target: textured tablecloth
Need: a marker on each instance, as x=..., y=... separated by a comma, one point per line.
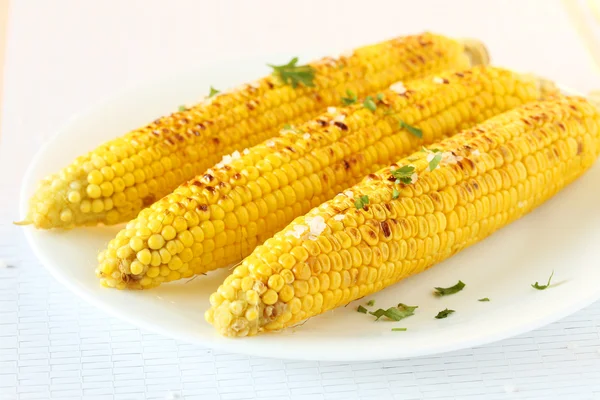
x=64, y=55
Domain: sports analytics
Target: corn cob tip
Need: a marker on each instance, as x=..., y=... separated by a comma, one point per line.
x=476, y=51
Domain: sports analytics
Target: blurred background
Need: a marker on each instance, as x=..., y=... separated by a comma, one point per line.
x=60, y=57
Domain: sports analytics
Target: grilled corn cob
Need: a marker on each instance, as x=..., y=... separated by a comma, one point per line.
x=114, y=182
x=219, y=217
x=488, y=177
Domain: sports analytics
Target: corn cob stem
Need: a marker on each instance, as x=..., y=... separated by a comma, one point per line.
x=220, y=217
x=118, y=179
x=489, y=176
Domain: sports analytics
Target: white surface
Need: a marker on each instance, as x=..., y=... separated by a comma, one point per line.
x=65, y=55
x=502, y=267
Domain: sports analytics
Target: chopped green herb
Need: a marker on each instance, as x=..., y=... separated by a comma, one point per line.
x=361, y=310
x=182, y=108
x=450, y=290
x=361, y=202
x=371, y=303
x=411, y=129
x=484, y=299
x=351, y=99
x=292, y=74
x=379, y=96
x=444, y=314
x=543, y=287
x=370, y=104
x=395, y=194
x=404, y=174
x=398, y=329
x=288, y=127
x=213, y=91
x=435, y=161
x=395, y=313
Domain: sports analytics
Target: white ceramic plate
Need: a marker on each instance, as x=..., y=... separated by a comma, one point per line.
x=563, y=236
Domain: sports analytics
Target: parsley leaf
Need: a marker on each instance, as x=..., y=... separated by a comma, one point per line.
x=444, y=313
x=484, y=299
x=395, y=313
x=435, y=161
x=395, y=194
x=543, y=287
x=361, y=202
x=288, y=127
x=411, y=129
x=351, y=99
x=369, y=104
x=213, y=91
x=379, y=96
x=398, y=329
x=404, y=174
x=361, y=310
x=182, y=108
x=371, y=303
x=292, y=74
x=450, y=290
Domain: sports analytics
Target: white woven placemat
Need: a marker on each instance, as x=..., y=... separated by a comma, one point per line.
x=65, y=54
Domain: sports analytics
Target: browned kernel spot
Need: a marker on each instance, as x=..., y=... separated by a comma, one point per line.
x=196, y=182
x=475, y=185
x=157, y=121
x=385, y=228
x=146, y=201
x=373, y=177
x=179, y=137
x=166, y=130
x=322, y=122
x=331, y=153
x=317, y=96
x=366, y=208
x=169, y=142
x=579, y=148
x=216, y=141
x=419, y=106
x=184, y=121
x=459, y=74
x=391, y=178
x=237, y=176
x=202, y=207
x=125, y=277
x=325, y=178
x=346, y=165
x=341, y=125
x=387, y=207
x=291, y=149
x=156, y=133
x=210, y=189
x=226, y=168
x=221, y=185
x=208, y=177
x=200, y=126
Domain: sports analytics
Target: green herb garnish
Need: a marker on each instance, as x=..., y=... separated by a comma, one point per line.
x=444, y=314
x=361, y=202
x=404, y=174
x=543, y=287
x=369, y=104
x=379, y=96
x=484, y=299
x=395, y=313
x=361, y=310
x=450, y=290
x=182, y=108
x=411, y=129
x=395, y=194
x=213, y=91
x=371, y=303
x=435, y=161
x=351, y=99
x=292, y=74
x=398, y=329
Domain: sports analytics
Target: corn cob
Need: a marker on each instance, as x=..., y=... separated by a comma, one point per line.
x=114, y=182
x=488, y=177
x=220, y=217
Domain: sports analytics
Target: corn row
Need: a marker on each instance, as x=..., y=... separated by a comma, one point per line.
x=220, y=217
x=118, y=179
x=489, y=176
